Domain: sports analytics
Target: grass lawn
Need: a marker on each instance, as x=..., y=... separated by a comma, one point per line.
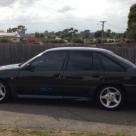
x=23, y=132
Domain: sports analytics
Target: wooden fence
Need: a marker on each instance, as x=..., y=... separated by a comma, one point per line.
x=16, y=53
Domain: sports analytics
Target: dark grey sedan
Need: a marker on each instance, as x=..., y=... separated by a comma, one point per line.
x=72, y=72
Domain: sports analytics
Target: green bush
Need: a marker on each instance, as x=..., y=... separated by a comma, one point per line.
x=77, y=40
x=4, y=40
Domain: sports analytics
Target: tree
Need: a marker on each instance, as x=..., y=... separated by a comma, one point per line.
x=131, y=31
x=39, y=35
x=85, y=34
x=19, y=28
x=98, y=34
x=68, y=34
x=11, y=30
x=108, y=33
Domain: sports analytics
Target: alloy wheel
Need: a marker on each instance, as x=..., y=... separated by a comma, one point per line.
x=2, y=92
x=110, y=97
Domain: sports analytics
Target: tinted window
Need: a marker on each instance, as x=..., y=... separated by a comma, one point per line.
x=51, y=61
x=79, y=61
x=111, y=65
x=126, y=63
x=97, y=64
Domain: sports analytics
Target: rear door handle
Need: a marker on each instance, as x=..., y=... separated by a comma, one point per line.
x=72, y=77
x=97, y=76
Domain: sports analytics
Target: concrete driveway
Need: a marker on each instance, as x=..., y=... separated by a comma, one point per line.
x=66, y=115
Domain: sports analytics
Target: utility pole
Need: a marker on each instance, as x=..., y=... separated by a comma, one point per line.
x=103, y=25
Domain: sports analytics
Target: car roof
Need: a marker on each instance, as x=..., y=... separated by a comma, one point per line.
x=78, y=49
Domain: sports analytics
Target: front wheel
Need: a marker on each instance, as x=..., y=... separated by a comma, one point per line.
x=4, y=92
x=110, y=98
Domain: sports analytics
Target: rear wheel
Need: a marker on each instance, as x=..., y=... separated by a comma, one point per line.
x=4, y=92
x=110, y=98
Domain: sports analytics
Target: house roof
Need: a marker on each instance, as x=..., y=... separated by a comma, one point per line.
x=6, y=34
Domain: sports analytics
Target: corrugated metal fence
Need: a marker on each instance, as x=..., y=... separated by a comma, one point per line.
x=16, y=53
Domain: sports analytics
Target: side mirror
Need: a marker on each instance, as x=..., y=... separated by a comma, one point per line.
x=28, y=67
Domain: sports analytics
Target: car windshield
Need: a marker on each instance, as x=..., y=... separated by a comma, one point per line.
x=32, y=59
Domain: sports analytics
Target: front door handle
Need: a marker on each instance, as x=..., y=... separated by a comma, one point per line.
x=98, y=76
x=57, y=75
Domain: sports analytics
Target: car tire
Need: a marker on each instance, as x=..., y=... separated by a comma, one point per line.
x=4, y=92
x=110, y=97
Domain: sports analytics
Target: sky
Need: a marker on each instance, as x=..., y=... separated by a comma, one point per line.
x=56, y=15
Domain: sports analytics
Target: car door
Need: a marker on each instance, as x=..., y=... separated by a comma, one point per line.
x=44, y=75
x=114, y=72
x=80, y=77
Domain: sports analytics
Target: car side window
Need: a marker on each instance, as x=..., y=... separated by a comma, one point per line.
x=50, y=61
x=79, y=61
x=110, y=65
x=97, y=64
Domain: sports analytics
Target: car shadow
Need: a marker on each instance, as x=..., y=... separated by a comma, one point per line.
x=72, y=109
